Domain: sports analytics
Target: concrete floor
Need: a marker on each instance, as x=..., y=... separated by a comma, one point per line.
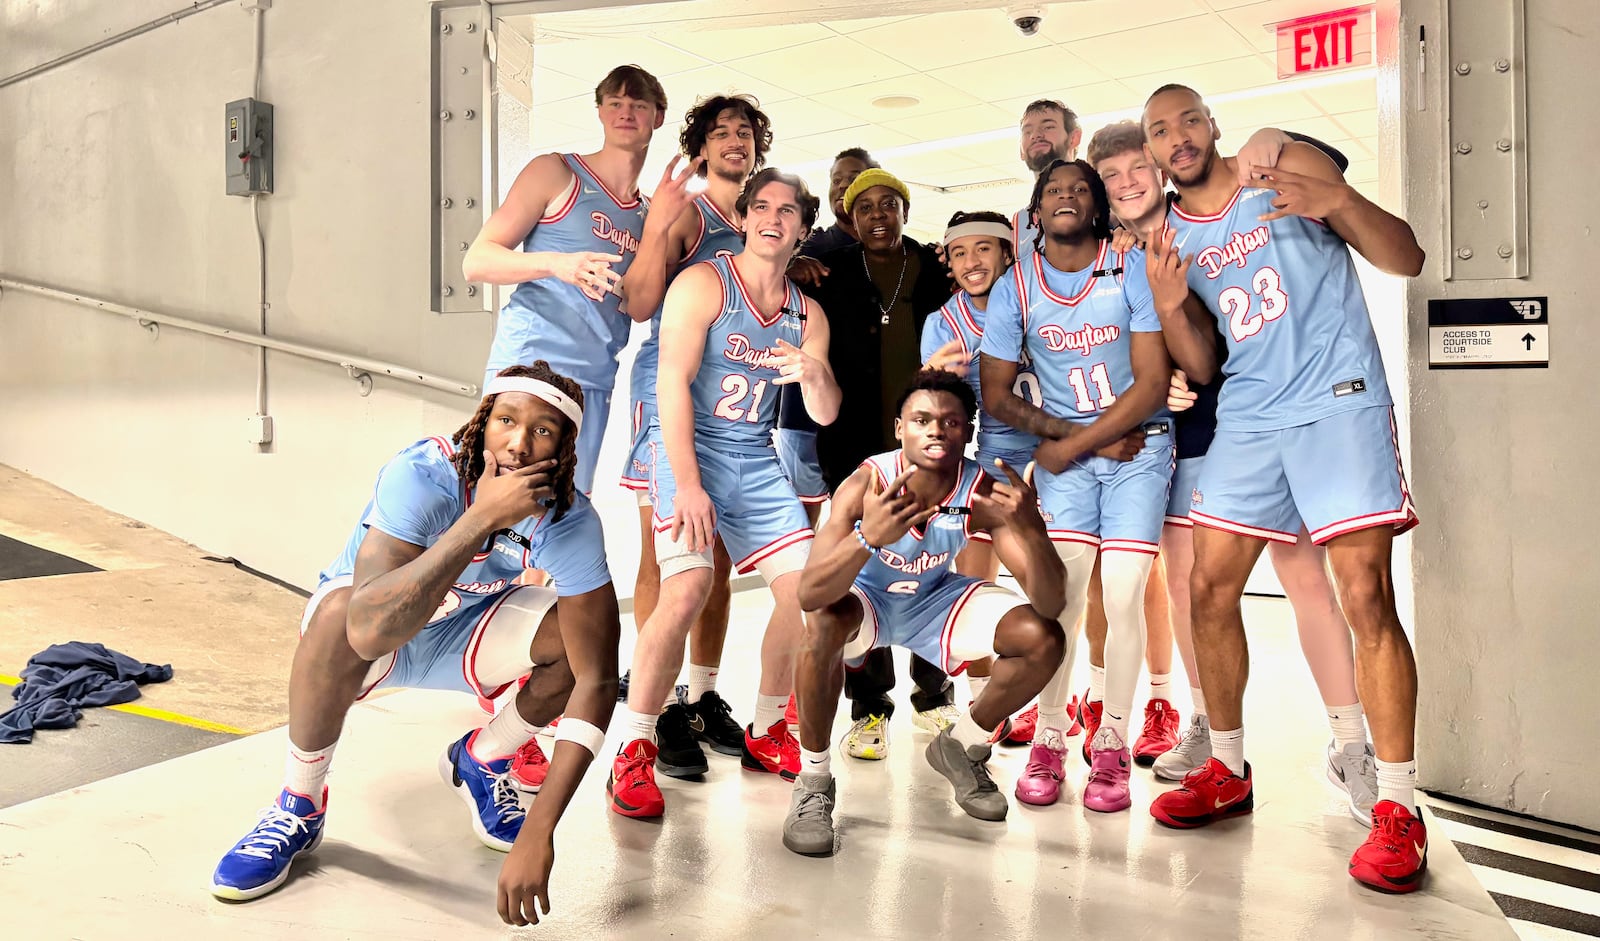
x=400, y=862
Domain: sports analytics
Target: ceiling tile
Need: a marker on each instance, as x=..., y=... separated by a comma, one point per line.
x=685, y=88
x=1210, y=79
x=1287, y=111
x=940, y=168
x=953, y=123
x=1193, y=41
x=1358, y=94
x=1018, y=75
x=933, y=96
x=846, y=27
x=949, y=38
x=1362, y=125
x=719, y=45
x=869, y=136
x=1068, y=22
x=550, y=85
x=596, y=57
x=1252, y=20
x=800, y=117
x=1084, y=100
x=821, y=66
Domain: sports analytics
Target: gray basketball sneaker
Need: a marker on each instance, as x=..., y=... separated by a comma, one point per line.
x=1353, y=770
x=1190, y=753
x=808, y=830
x=968, y=772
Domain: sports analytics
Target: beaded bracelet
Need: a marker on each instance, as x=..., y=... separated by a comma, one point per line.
x=861, y=538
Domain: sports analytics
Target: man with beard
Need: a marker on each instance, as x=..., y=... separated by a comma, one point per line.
x=1135, y=187
x=726, y=137
x=1305, y=437
x=881, y=575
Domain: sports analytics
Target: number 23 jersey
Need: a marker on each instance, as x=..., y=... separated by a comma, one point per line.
x=1289, y=304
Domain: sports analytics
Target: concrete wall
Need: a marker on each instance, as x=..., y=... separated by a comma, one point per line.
x=1503, y=462
x=112, y=174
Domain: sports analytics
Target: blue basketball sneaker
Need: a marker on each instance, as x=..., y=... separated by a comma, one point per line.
x=488, y=789
x=260, y=862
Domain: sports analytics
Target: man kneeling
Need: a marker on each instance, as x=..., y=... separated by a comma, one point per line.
x=424, y=595
x=881, y=573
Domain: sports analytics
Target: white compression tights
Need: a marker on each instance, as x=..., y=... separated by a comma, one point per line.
x=1079, y=560
x=1123, y=575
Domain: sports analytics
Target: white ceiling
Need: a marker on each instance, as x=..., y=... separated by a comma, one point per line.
x=971, y=70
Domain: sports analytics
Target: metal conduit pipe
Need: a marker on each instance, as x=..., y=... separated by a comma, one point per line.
x=198, y=7
x=360, y=368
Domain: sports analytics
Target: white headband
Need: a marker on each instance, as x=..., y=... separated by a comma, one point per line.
x=995, y=229
x=539, y=389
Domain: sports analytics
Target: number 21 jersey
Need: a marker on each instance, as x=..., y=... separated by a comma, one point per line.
x=1289, y=304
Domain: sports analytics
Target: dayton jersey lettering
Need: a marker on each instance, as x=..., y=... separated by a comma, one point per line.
x=920, y=559
x=735, y=401
x=419, y=495
x=1289, y=304
x=552, y=320
x=718, y=236
x=1075, y=326
x=959, y=320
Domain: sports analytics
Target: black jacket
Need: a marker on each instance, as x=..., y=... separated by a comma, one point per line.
x=850, y=301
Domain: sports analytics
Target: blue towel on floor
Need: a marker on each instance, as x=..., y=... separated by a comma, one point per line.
x=57, y=683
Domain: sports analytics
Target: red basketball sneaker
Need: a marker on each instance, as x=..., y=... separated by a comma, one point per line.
x=776, y=752
x=1395, y=855
x=1089, y=718
x=529, y=766
x=1209, y=793
x=1160, y=733
x=632, y=786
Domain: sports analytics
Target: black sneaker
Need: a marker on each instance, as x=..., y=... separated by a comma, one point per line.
x=679, y=755
x=622, y=686
x=712, y=722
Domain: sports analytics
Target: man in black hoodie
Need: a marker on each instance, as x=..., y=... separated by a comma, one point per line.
x=876, y=293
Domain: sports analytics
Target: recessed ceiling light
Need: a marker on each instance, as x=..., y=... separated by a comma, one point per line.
x=897, y=101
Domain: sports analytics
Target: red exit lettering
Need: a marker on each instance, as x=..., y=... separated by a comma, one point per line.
x=1337, y=40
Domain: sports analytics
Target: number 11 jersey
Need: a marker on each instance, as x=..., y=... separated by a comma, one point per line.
x=1289, y=304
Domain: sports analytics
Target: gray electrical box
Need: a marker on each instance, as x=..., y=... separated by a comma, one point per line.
x=248, y=133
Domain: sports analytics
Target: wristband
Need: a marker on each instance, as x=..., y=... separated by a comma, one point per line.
x=579, y=732
x=861, y=538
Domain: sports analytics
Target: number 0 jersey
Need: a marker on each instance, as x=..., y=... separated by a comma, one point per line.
x=735, y=401
x=920, y=559
x=1289, y=305
x=1076, y=326
x=958, y=319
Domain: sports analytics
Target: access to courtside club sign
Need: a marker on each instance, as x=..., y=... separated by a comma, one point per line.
x=1489, y=333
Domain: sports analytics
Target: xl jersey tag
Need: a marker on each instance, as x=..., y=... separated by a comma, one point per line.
x=1353, y=387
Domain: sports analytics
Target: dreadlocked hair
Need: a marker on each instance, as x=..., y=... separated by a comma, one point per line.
x=469, y=439
x=1100, y=225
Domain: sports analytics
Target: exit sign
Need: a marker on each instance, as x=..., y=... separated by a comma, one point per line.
x=1325, y=42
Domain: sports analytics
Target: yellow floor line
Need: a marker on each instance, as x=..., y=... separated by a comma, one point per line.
x=149, y=712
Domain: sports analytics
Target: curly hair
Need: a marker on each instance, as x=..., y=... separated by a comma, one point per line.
x=940, y=380
x=469, y=438
x=1100, y=224
x=701, y=120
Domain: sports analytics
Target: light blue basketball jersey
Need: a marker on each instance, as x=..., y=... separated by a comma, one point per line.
x=928, y=556
x=735, y=401
x=419, y=495
x=1075, y=326
x=1289, y=304
x=718, y=235
x=958, y=319
x=1023, y=232
x=552, y=320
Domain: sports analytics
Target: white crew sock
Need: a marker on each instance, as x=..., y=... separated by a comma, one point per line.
x=970, y=733
x=1198, y=699
x=816, y=762
x=639, y=725
x=1397, y=781
x=702, y=680
x=1348, y=727
x=1097, y=683
x=769, y=712
x=502, y=736
x=306, y=772
x=1228, y=748
x=977, y=684
x=1161, y=686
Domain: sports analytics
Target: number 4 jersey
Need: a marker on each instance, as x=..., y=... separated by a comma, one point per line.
x=1288, y=302
x=1076, y=326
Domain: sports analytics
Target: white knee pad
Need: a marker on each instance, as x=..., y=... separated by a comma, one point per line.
x=674, y=558
x=1079, y=561
x=379, y=670
x=498, y=650
x=1122, y=581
